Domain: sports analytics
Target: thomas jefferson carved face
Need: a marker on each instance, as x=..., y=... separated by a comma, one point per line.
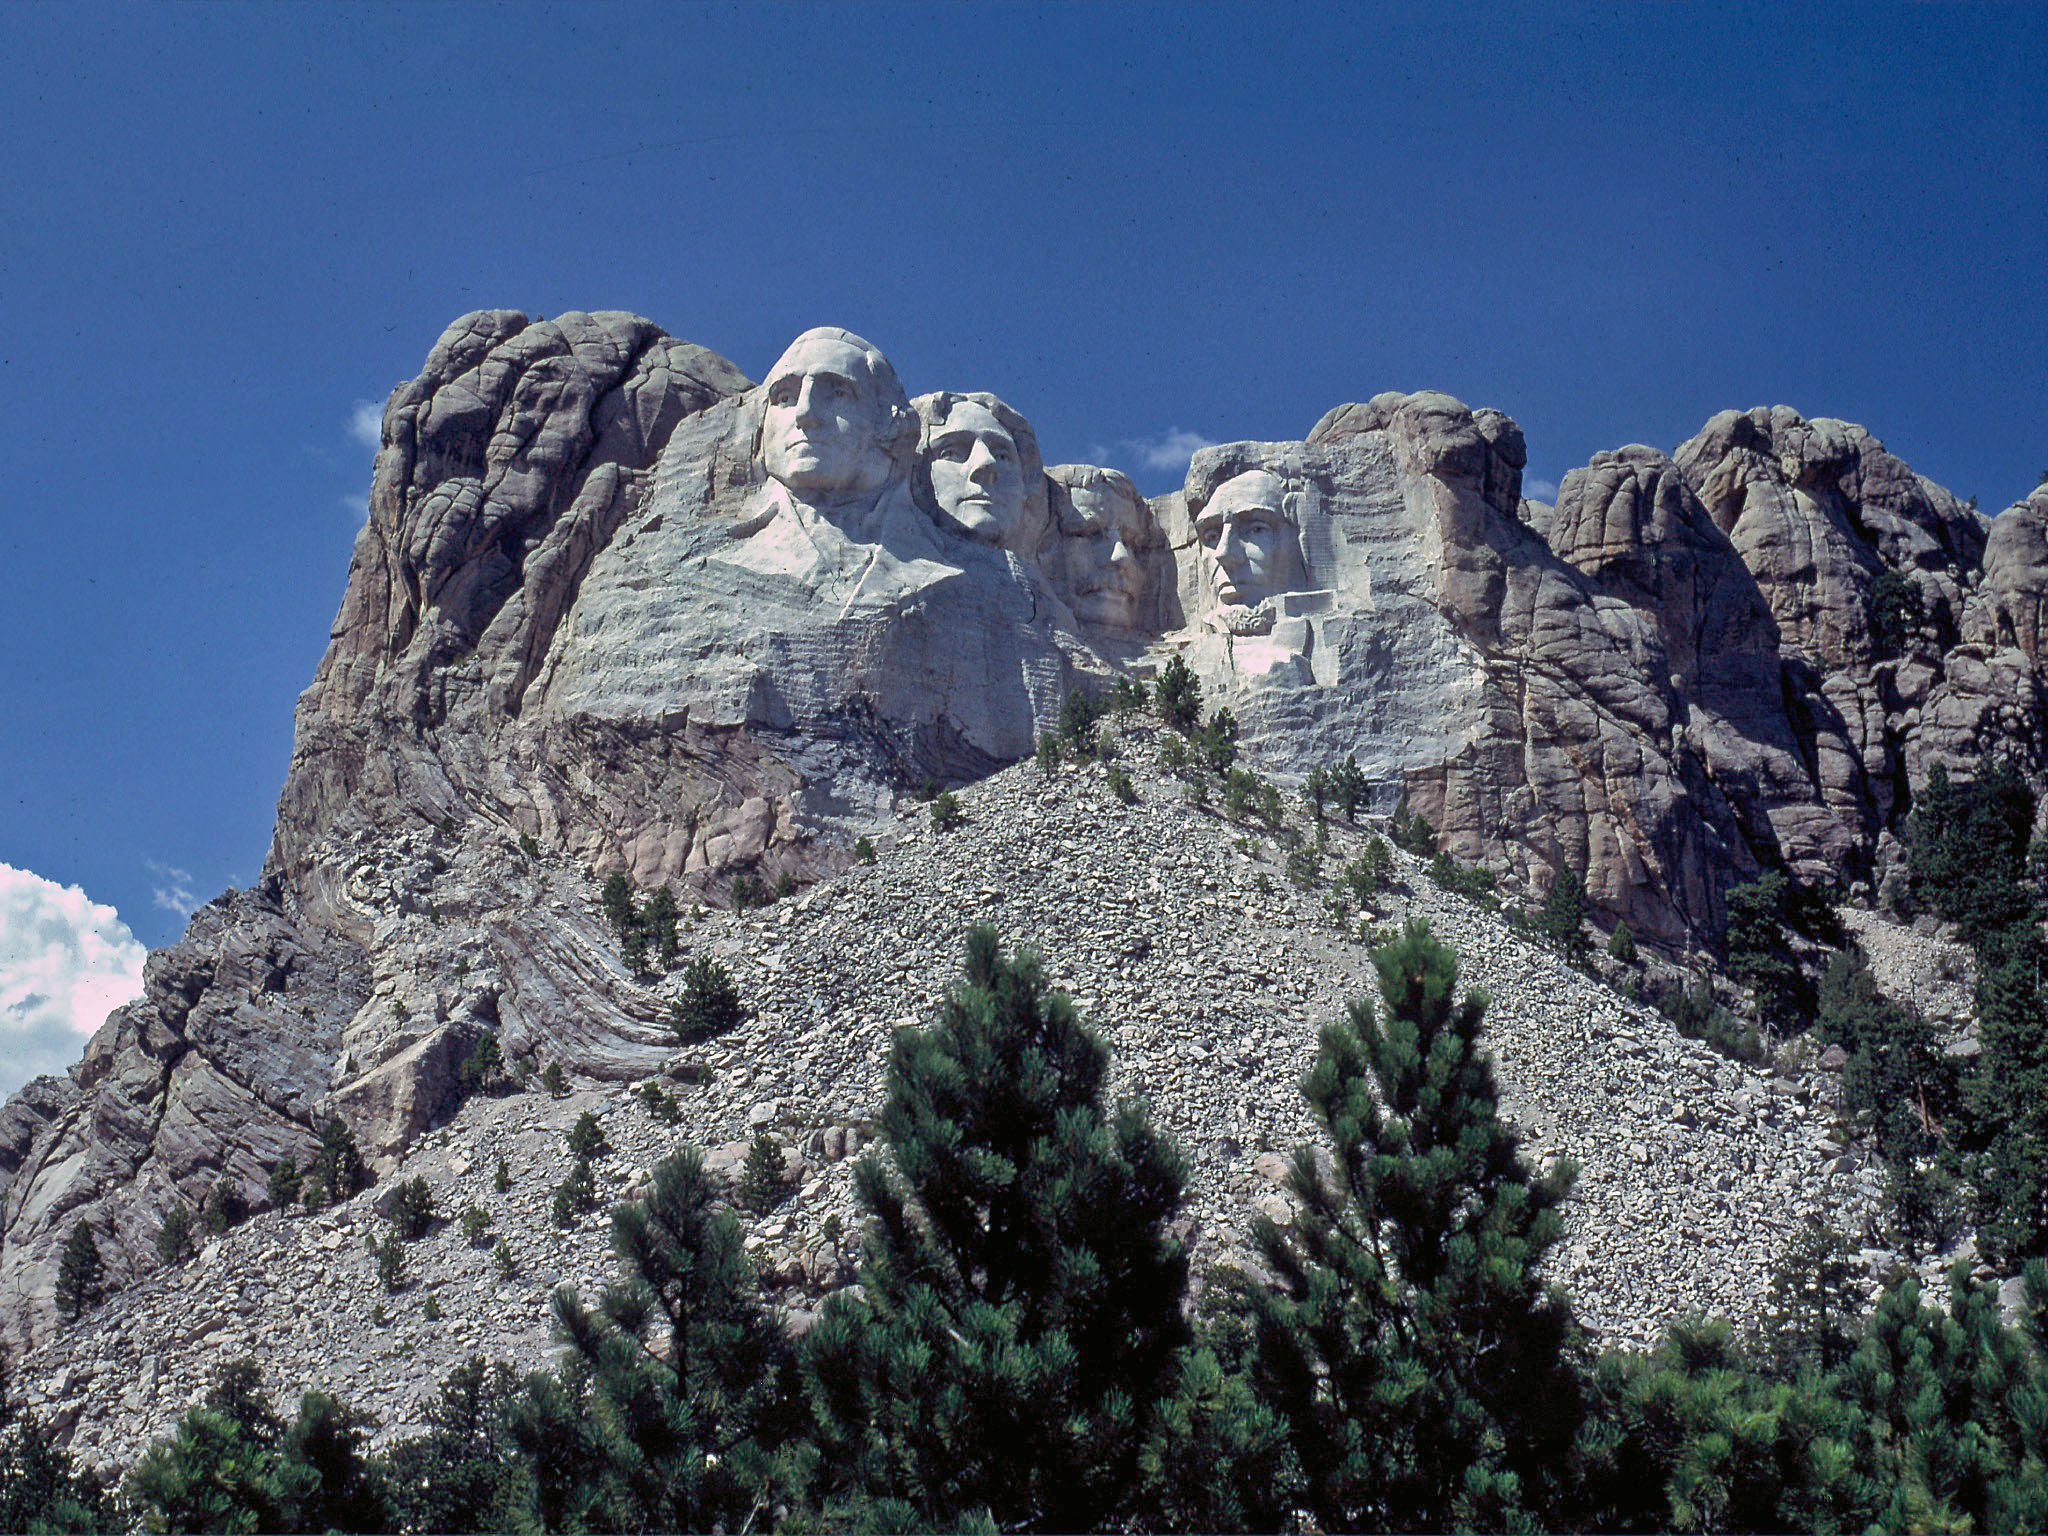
x=1102, y=527
x=1245, y=534
x=825, y=417
x=977, y=473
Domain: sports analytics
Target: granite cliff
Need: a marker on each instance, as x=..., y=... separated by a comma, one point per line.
x=618, y=608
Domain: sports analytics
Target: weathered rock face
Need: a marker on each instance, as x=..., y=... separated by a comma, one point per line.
x=214, y=1073
x=617, y=608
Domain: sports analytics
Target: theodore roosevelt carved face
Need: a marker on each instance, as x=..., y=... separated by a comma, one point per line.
x=1103, y=525
x=833, y=417
x=1248, y=539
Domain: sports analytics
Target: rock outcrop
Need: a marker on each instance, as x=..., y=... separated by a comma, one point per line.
x=616, y=608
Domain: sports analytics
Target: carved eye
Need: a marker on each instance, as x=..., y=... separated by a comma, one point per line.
x=782, y=392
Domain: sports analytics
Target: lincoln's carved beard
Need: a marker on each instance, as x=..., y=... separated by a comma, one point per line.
x=1240, y=620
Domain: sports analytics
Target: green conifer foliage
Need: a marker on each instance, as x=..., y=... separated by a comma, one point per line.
x=224, y=1206
x=1967, y=847
x=1078, y=714
x=1561, y=920
x=1020, y=1303
x=286, y=1182
x=174, y=1237
x=1423, y=1370
x=1411, y=831
x=762, y=1184
x=659, y=920
x=412, y=1209
x=633, y=951
x=586, y=1137
x=80, y=1272
x=1315, y=791
x=658, y=1422
x=1347, y=786
x=231, y=1465
x=463, y=1473
x=710, y=1004
x=616, y=899
x=39, y=1490
x=576, y=1193
x=1178, y=694
x=483, y=1068
x=391, y=1270
x=1816, y=1302
x=337, y=1169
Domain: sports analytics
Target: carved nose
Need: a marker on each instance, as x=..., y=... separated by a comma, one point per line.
x=981, y=464
x=1120, y=553
x=806, y=404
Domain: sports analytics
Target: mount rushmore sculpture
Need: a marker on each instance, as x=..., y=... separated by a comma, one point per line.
x=789, y=602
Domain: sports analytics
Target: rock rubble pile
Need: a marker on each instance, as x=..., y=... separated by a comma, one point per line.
x=1206, y=969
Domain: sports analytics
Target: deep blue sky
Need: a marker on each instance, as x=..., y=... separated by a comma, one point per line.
x=221, y=227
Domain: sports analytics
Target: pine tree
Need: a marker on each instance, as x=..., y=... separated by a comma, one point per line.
x=1562, y=918
x=412, y=1209
x=337, y=1169
x=1816, y=1304
x=286, y=1183
x=616, y=899
x=231, y=1465
x=224, y=1205
x=762, y=1184
x=80, y=1274
x=586, y=1136
x=633, y=951
x=174, y=1237
x=39, y=1490
x=663, y=1419
x=659, y=920
x=463, y=1473
x=1020, y=1303
x=1348, y=786
x=710, y=1004
x=1423, y=1370
x=1179, y=694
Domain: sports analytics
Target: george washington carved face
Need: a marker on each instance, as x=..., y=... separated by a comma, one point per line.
x=832, y=412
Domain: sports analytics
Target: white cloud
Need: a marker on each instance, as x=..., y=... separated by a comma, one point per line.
x=1540, y=490
x=1161, y=453
x=175, y=894
x=356, y=506
x=366, y=424
x=66, y=962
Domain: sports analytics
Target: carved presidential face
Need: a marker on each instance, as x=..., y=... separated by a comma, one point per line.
x=1101, y=531
x=822, y=420
x=977, y=473
x=1246, y=536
